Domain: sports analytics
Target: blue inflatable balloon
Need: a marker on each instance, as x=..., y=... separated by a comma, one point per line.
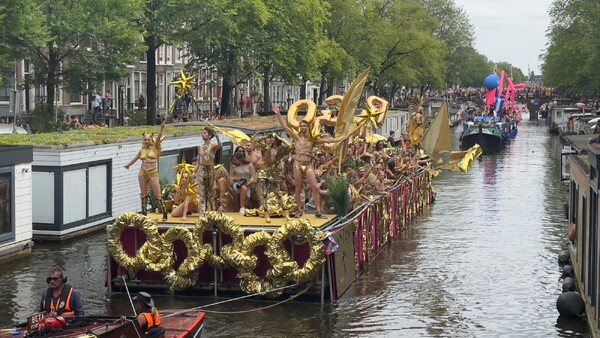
x=491, y=81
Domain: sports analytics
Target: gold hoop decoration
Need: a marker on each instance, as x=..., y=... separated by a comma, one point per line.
x=223, y=223
x=245, y=261
x=283, y=265
x=382, y=109
x=292, y=114
x=185, y=276
x=115, y=246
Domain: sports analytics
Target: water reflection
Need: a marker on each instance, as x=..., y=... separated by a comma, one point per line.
x=482, y=261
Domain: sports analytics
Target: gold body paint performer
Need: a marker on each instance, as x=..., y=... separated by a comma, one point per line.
x=207, y=199
x=303, y=161
x=148, y=174
x=186, y=197
x=274, y=150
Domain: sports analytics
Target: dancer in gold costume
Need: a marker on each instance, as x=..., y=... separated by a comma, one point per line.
x=303, y=161
x=148, y=174
x=186, y=197
x=207, y=199
x=270, y=174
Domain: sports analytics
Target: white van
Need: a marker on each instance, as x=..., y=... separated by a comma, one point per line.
x=8, y=129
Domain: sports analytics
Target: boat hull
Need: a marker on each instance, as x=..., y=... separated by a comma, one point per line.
x=176, y=324
x=490, y=139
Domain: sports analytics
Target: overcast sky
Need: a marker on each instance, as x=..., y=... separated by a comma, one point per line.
x=510, y=30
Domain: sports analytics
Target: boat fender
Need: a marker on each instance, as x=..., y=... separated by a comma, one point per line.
x=570, y=304
x=563, y=258
x=568, y=271
x=569, y=284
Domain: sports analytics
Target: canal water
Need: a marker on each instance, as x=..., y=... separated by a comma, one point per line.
x=480, y=262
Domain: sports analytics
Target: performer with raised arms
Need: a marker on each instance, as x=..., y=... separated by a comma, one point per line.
x=148, y=175
x=303, y=160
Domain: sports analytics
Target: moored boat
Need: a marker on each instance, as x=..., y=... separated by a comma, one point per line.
x=176, y=323
x=488, y=132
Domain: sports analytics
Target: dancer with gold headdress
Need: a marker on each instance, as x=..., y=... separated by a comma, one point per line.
x=416, y=124
x=270, y=173
x=148, y=174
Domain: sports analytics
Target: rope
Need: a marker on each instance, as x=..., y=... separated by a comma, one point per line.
x=129, y=296
x=264, y=307
x=202, y=307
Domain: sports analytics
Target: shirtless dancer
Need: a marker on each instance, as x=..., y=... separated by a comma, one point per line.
x=303, y=161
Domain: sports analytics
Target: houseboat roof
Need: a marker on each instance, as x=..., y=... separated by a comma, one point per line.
x=103, y=135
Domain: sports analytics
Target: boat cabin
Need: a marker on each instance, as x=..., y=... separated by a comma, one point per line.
x=561, y=119
x=15, y=201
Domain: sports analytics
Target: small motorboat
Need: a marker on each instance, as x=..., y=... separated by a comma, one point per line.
x=176, y=323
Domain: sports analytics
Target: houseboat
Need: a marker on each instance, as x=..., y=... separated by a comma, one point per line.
x=15, y=201
x=563, y=120
x=584, y=247
x=76, y=188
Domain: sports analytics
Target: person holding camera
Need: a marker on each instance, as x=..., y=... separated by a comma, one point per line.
x=243, y=176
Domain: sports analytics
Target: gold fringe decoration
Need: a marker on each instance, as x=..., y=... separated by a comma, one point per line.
x=185, y=276
x=216, y=221
x=157, y=253
x=153, y=241
x=299, y=231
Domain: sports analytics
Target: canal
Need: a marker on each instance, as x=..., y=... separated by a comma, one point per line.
x=480, y=262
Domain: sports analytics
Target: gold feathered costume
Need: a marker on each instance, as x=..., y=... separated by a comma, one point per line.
x=416, y=125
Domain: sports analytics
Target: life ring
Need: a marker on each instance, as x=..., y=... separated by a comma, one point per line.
x=284, y=267
x=185, y=276
x=115, y=246
x=223, y=223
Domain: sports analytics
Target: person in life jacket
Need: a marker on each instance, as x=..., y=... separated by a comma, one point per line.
x=60, y=299
x=148, y=316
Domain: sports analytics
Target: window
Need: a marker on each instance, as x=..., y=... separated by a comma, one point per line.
x=43, y=197
x=8, y=86
x=6, y=203
x=161, y=89
x=169, y=55
x=161, y=54
x=178, y=55
x=75, y=97
x=144, y=58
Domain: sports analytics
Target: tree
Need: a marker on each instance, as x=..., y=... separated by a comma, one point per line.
x=285, y=47
x=227, y=41
x=23, y=25
x=456, y=32
x=165, y=22
x=571, y=60
x=89, y=41
x=406, y=51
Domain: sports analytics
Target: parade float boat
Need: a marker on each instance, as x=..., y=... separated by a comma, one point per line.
x=490, y=133
x=226, y=253
x=180, y=324
x=219, y=252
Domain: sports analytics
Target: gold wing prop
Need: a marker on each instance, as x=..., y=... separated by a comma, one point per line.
x=345, y=122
